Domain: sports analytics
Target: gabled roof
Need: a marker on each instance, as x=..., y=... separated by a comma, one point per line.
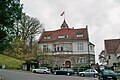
x=69, y=33
x=112, y=46
x=64, y=25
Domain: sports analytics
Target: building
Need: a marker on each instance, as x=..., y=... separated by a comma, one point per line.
x=68, y=47
x=112, y=48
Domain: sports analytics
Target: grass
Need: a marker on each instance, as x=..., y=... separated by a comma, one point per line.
x=9, y=62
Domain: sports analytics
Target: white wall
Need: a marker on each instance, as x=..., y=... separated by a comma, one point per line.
x=112, y=60
x=85, y=51
x=74, y=46
x=50, y=46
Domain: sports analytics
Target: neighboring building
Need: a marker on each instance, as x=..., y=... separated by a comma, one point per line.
x=68, y=46
x=112, y=48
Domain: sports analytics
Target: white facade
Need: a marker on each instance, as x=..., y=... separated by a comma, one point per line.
x=113, y=59
x=72, y=49
x=70, y=41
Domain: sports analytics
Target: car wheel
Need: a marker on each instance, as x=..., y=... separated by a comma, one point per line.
x=82, y=75
x=55, y=73
x=44, y=72
x=95, y=75
x=100, y=78
x=34, y=71
x=68, y=74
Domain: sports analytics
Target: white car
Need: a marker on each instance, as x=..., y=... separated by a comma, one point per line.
x=43, y=70
x=89, y=72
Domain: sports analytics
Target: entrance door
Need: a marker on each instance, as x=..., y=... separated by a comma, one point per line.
x=68, y=64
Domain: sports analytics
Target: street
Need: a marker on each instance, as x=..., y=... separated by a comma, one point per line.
x=23, y=75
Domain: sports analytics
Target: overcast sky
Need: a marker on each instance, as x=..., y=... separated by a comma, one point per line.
x=101, y=16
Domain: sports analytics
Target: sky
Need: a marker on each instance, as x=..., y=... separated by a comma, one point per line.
x=101, y=16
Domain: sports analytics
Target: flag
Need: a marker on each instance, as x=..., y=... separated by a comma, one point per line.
x=62, y=13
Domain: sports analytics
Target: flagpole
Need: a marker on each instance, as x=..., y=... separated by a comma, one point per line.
x=64, y=15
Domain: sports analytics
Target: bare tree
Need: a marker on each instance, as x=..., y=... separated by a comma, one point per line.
x=25, y=31
x=103, y=58
x=29, y=26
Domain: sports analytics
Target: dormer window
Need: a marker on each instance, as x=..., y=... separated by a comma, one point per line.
x=62, y=36
x=48, y=37
x=79, y=35
x=91, y=48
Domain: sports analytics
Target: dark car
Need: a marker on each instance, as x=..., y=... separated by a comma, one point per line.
x=107, y=75
x=64, y=71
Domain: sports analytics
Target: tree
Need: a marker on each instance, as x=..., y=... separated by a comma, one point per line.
x=28, y=28
x=10, y=10
x=103, y=58
x=23, y=43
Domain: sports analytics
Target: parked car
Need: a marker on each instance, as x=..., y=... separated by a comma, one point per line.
x=43, y=70
x=64, y=71
x=88, y=72
x=107, y=75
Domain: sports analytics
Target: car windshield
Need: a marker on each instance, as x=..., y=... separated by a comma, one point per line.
x=92, y=70
x=69, y=69
x=66, y=69
x=108, y=72
x=88, y=70
x=42, y=68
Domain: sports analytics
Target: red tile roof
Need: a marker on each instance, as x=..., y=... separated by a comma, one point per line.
x=112, y=46
x=70, y=33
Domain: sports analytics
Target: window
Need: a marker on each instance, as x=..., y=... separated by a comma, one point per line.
x=84, y=60
x=81, y=60
x=91, y=48
x=62, y=47
x=45, y=48
x=88, y=70
x=79, y=35
x=56, y=59
x=92, y=71
x=80, y=46
x=47, y=37
x=63, y=36
x=57, y=48
x=77, y=61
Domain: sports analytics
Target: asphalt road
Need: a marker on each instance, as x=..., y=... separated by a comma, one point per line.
x=23, y=75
